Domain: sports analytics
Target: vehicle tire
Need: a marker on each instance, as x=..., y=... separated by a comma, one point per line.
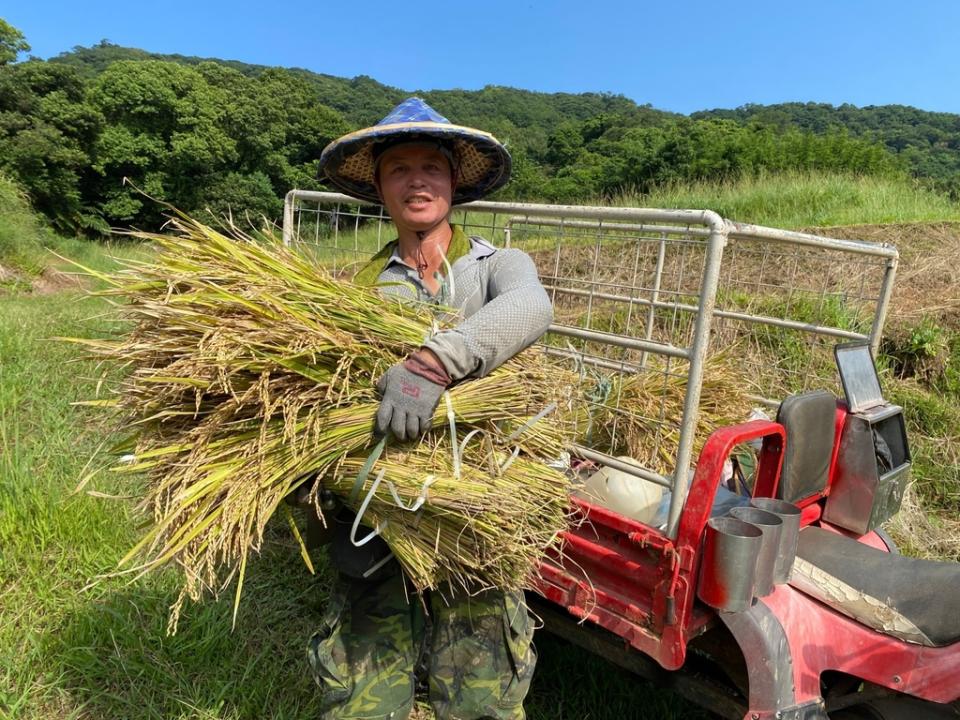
x=897, y=708
x=853, y=713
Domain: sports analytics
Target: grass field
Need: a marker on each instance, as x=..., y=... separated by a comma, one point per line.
x=67, y=652
x=72, y=651
x=807, y=199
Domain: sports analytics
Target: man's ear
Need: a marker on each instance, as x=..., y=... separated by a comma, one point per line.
x=376, y=186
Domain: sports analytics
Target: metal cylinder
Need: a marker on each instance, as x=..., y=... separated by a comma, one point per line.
x=772, y=528
x=789, y=535
x=730, y=551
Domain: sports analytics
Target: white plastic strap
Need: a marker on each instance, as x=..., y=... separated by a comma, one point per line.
x=451, y=284
x=363, y=508
x=454, y=448
x=509, y=461
x=532, y=421
x=468, y=436
x=418, y=501
x=383, y=561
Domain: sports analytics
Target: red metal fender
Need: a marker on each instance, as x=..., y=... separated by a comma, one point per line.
x=679, y=597
x=822, y=639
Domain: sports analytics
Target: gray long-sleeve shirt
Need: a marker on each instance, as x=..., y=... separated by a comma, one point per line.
x=498, y=293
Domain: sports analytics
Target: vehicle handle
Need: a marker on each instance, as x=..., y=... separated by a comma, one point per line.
x=709, y=470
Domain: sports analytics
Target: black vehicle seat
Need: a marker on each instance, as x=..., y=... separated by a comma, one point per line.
x=809, y=423
x=907, y=598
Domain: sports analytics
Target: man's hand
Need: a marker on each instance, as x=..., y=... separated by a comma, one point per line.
x=410, y=393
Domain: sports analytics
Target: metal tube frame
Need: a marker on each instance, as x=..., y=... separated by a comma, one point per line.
x=667, y=222
x=655, y=292
x=730, y=314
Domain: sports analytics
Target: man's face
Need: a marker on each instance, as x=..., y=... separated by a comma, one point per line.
x=416, y=185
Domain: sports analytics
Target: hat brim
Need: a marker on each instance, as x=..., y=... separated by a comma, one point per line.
x=484, y=163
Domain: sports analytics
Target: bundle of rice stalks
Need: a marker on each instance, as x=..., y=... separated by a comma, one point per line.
x=252, y=371
x=640, y=414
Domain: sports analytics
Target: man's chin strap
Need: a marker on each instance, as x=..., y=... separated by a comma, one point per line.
x=421, y=258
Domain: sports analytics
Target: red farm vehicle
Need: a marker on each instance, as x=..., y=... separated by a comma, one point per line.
x=782, y=597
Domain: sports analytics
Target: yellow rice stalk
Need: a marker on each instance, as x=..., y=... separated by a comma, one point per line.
x=251, y=371
x=478, y=525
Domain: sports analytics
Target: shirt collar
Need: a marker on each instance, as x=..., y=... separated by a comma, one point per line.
x=460, y=246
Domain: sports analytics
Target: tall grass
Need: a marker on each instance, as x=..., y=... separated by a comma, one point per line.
x=102, y=653
x=28, y=248
x=22, y=235
x=800, y=199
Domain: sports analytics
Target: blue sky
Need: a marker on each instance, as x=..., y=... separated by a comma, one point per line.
x=683, y=56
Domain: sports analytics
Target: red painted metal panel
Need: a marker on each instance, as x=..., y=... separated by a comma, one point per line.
x=822, y=639
x=632, y=580
x=871, y=538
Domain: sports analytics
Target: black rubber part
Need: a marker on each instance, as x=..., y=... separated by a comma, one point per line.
x=923, y=591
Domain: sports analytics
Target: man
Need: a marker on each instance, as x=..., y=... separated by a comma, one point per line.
x=475, y=647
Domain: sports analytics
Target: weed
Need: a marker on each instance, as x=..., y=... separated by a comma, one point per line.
x=920, y=351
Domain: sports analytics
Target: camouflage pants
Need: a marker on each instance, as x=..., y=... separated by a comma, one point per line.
x=480, y=655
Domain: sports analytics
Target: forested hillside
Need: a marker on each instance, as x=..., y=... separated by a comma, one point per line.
x=928, y=143
x=232, y=137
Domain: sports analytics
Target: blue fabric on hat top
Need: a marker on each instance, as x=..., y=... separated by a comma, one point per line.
x=483, y=163
x=413, y=109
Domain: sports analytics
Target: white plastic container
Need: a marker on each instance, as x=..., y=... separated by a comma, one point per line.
x=621, y=492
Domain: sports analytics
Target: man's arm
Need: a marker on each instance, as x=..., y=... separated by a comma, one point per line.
x=517, y=313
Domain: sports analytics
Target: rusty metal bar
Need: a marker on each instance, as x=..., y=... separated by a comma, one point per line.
x=752, y=232
x=655, y=293
x=617, y=365
x=612, y=227
x=883, y=303
x=288, y=201
x=626, y=467
x=533, y=210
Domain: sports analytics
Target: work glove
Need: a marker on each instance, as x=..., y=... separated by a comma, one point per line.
x=410, y=392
